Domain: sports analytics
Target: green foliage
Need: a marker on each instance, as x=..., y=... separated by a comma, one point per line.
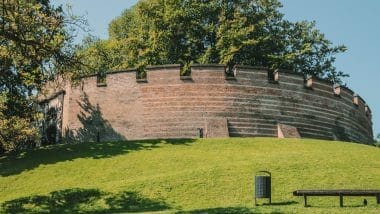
x=98, y=56
x=377, y=141
x=246, y=32
x=192, y=176
x=35, y=46
x=15, y=132
x=308, y=51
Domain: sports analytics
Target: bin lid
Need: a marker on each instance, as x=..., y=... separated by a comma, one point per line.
x=266, y=172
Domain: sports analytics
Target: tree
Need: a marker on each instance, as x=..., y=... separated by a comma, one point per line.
x=97, y=56
x=250, y=32
x=35, y=46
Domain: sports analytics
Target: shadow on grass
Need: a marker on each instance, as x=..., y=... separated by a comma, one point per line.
x=84, y=201
x=219, y=210
x=233, y=210
x=283, y=203
x=12, y=164
x=337, y=206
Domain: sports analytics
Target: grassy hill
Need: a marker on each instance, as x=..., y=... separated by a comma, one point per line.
x=189, y=176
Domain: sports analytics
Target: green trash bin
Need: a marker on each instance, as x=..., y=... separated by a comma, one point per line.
x=263, y=185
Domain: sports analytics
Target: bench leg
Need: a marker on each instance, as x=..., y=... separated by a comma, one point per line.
x=378, y=199
x=341, y=200
x=305, y=199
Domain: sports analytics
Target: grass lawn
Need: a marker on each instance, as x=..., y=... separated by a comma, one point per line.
x=187, y=176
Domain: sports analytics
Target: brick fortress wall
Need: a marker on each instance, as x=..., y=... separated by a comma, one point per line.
x=167, y=105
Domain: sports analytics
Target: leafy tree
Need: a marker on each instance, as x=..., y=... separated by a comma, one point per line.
x=98, y=56
x=251, y=32
x=35, y=46
x=377, y=140
x=16, y=132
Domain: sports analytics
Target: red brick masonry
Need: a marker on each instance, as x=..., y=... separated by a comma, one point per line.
x=168, y=106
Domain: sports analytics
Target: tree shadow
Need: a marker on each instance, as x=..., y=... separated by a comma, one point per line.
x=282, y=203
x=84, y=201
x=219, y=210
x=15, y=163
x=95, y=128
x=232, y=210
x=337, y=206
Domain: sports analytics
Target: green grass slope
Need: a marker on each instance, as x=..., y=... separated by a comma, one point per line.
x=187, y=176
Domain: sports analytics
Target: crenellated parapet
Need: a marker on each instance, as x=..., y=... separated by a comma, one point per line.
x=251, y=101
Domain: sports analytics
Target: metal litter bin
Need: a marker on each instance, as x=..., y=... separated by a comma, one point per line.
x=263, y=186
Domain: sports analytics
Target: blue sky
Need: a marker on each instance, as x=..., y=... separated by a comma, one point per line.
x=353, y=23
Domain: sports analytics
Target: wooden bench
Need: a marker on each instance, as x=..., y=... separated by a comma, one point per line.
x=340, y=193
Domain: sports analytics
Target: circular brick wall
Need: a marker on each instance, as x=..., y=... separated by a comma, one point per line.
x=248, y=104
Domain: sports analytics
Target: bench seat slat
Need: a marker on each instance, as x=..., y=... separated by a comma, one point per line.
x=344, y=192
x=338, y=192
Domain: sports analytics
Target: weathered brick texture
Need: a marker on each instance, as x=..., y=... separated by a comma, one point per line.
x=167, y=106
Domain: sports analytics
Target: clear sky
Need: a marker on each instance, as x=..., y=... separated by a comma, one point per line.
x=353, y=23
